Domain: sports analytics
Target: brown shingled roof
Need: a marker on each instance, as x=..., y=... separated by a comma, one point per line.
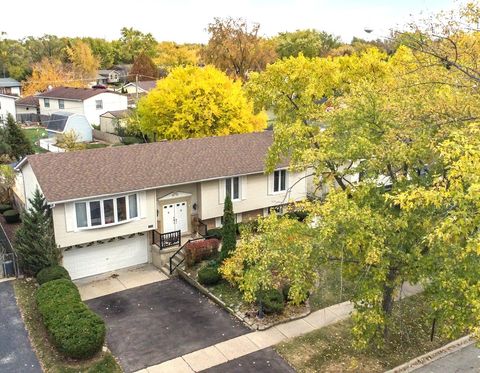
x=71, y=93
x=98, y=172
x=27, y=101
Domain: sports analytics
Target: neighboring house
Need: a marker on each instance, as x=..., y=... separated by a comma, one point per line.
x=142, y=87
x=9, y=86
x=87, y=101
x=7, y=106
x=109, y=204
x=108, y=76
x=62, y=122
x=111, y=120
x=28, y=109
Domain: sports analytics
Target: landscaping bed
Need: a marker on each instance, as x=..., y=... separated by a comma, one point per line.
x=50, y=358
x=330, y=349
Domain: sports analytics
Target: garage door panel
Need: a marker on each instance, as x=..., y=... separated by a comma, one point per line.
x=110, y=256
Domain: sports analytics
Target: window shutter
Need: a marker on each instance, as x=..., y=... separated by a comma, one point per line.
x=221, y=191
x=70, y=217
x=243, y=187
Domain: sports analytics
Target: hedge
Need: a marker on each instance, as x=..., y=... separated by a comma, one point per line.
x=11, y=216
x=54, y=272
x=208, y=275
x=196, y=251
x=74, y=329
x=5, y=207
x=215, y=233
x=271, y=301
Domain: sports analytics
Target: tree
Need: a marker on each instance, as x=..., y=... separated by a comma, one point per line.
x=144, y=67
x=70, y=141
x=102, y=50
x=47, y=46
x=280, y=253
x=34, y=240
x=14, y=58
x=310, y=43
x=236, y=48
x=84, y=63
x=229, y=231
x=171, y=54
x=197, y=102
x=7, y=181
x=48, y=73
x=133, y=42
x=18, y=143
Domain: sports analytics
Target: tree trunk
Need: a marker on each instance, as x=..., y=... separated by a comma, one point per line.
x=387, y=303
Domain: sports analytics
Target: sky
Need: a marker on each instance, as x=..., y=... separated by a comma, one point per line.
x=185, y=20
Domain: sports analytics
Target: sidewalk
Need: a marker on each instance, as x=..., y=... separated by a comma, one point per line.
x=240, y=346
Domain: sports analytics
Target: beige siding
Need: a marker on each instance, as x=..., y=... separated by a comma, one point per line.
x=26, y=183
x=64, y=222
x=255, y=193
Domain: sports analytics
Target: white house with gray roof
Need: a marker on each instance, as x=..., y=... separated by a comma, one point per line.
x=7, y=106
x=10, y=86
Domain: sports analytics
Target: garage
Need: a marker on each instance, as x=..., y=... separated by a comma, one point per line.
x=109, y=256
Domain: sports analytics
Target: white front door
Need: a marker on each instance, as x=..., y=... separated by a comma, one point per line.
x=175, y=217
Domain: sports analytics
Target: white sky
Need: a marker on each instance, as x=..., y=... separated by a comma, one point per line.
x=186, y=20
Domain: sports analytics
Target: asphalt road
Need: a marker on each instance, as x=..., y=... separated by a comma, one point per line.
x=16, y=353
x=462, y=361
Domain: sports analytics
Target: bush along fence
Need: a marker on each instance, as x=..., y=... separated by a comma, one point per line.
x=75, y=330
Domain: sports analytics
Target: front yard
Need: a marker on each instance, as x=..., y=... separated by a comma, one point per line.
x=51, y=360
x=330, y=349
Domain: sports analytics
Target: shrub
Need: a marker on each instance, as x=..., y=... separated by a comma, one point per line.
x=229, y=239
x=11, y=216
x=297, y=214
x=129, y=140
x=196, y=251
x=209, y=275
x=271, y=301
x=74, y=329
x=251, y=225
x=215, y=233
x=285, y=291
x=5, y=207
x=54, y=272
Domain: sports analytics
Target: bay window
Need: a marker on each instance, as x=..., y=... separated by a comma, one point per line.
x=107, y=211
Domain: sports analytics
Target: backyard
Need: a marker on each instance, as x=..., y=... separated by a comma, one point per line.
x=33, y=135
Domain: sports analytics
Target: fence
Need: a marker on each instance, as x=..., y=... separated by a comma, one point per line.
x=107, y=137
x=30, y=117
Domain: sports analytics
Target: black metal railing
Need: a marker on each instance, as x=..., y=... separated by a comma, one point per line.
x=173, y=265
x=202, y=228
x=169, y=239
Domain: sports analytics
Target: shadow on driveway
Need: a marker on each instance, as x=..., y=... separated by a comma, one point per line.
x=154, y=323
x=16, y=353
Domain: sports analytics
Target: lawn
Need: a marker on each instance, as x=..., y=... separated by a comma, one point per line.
x=330, y=349
x=96, y=145
x=51, y=360
x=35, y=134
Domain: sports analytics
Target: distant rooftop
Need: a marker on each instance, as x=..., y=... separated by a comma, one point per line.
x=9, y=82
x=71, y=93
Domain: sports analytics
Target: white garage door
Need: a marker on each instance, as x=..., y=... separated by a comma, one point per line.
x=110, y=256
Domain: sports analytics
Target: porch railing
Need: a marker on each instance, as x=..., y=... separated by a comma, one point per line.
x=169, y=239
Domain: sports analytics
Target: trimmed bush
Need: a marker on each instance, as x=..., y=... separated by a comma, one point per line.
x=197, y=251
x=74, y=329
x=5, y=207
x=209, y=275
x=271, y=301
x=215, y=233
x=52, y=273
x=11, y=216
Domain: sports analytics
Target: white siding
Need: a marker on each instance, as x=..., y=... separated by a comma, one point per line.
x=70, y=106
x=26, y=183
x=7, y=105
x=79, y=124
x=110, y=102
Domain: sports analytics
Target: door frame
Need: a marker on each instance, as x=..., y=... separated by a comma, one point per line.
x=170, y=201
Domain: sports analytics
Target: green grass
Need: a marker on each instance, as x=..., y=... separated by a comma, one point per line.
x=51, y=360
x=96, y=145
x=227, y=293
x=331, y=288
x=35, y=134
x=330, y=349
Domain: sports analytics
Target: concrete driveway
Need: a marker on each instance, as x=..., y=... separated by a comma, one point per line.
x=154, y=323
x=464, y=360
x=16, y=353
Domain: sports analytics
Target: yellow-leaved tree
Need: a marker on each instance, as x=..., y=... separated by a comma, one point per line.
x=197, y=102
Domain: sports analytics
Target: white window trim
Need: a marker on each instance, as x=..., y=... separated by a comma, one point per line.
x=272, y=182
x=102, y=213
x=224, y=185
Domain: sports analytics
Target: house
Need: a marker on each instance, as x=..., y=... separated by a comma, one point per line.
x=121, y=206
x=9, y=86
x=87, y=101
x=62, y=122
x=142, y=87
x=108, y=76
x=111, y=120
x=7, y=106
x=28, y=109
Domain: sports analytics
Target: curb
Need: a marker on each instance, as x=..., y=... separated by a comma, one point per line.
x=431, y=356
